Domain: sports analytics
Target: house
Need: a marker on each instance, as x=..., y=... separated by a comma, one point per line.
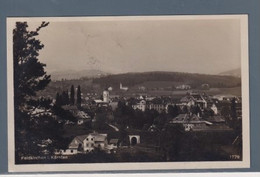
x=158, y=104
x=214, y=108
x=82, y=117
x=187, y=101
x=205, y=86
x=105, y=99
x=36, y=112
x=158, y=107
x=142, y=88
x=140, y=105
x=227, y=97
x=196, y=124
x=199, y=100
x=114, y=143
x=216, y=119
x=189, y=121
x=123, y=88
x=153, y=128
x=71, y=108
x=87, y=143
x=183, y=87
x=113, y=105
x=67, y=152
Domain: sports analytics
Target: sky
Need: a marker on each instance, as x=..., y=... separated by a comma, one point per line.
x=207, y=46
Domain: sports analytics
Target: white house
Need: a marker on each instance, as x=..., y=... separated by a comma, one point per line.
x=141, y=105
x=105, y=101
x=183, y=87
x=106, y=96
x=123, y=88
x=86, y=143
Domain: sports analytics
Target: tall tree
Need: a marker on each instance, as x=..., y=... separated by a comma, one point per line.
x=58, y=100
x=65, y=98
x=78, y=96
x=29, y=78
x=72, y=95
x=29, y=74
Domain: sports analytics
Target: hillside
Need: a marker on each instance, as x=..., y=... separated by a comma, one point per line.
x=152, y=81
x=175, y=78
x=233, y=72
x=71, y=74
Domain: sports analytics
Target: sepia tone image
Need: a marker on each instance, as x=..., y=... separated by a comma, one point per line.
x=108, y=90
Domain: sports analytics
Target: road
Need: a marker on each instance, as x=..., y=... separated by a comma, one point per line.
x=114, y=127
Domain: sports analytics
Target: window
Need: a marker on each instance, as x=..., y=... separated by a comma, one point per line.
x=87, y=139
x=92, y=144
x=91, y=139
x=71, y=151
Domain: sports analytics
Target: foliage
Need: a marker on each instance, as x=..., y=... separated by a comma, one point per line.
x=72, y=95
x=79, y=97
x=100, y=122
x=32, y=128
x=170, y=141
x=195, y=80
x=173, y=110
x=29, y=74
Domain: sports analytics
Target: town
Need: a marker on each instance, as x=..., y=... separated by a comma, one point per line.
x=139, y=127
x=134, y=102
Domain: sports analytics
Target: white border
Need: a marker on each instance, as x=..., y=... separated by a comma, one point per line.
x=132, y=166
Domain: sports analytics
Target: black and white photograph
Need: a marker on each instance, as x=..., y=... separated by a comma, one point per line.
x=128, y=93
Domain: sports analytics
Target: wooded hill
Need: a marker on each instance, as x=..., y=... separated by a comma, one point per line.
x=150, y=80
x=194, y=80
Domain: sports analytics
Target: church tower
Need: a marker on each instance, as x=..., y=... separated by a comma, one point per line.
x=105, y=96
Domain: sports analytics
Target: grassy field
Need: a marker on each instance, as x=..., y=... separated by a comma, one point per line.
x=233, y=91
x=179, y=93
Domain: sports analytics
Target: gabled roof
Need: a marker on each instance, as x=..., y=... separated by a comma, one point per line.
x=70, y=107
x=81, y=138
x=99, y=137
x=186, y=99
x=114, y=141
x=216, y=119
x=186, y=118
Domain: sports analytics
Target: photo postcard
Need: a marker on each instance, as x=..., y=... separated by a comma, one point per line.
x=114, y=93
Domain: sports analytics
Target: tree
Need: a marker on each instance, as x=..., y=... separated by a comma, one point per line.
x=226, y=112
x=65, y=98
x=58, y=100
x=173, y=110
x=100, y=121
x=72, y=95
x=79, y=96
x=29, y=74
x=170, y=141
x=233, y=109
x=29, y=78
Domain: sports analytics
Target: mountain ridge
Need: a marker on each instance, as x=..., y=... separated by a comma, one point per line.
x=234, y=72
x=72, y=74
